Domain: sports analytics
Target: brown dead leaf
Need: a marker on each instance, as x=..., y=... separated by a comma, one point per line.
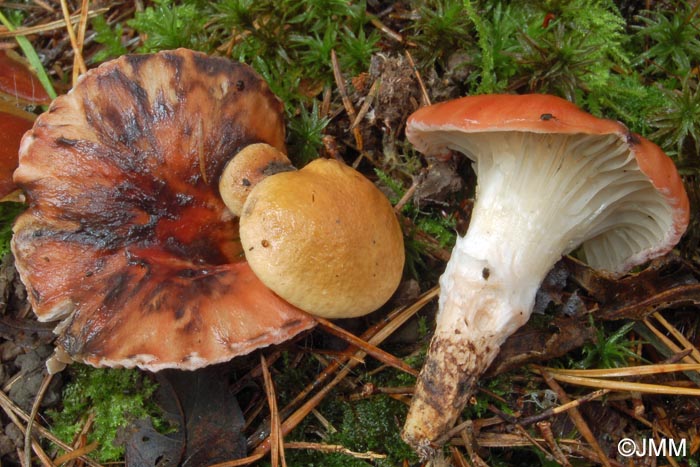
x=667, y=283
x=207, y=418
x=536, y=344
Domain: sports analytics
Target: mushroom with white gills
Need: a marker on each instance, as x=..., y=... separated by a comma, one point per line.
x=126, y=240
x=550, y=178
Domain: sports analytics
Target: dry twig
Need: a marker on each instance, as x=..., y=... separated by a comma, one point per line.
x=32, y=416
x=379, y=332
x=546, y=429
x=369, y=349
x=564, y=407
x=82, y=27
x=369, y=99
x=347, y=103
x=46, y=27
x=15, y=414
x=680, y=338
x=576, y=417
x=276, y=436
x=76, y=454
x=423, y=90
x=467, y=436
x=73, y=40
x=376, y=22
x=626, y=386
x=334, y=448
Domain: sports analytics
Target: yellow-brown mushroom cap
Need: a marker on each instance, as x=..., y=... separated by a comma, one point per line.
x=325, y=239
x=243, y=172
x=126, y=239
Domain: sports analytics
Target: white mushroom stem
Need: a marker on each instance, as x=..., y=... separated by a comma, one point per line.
x=538, y=197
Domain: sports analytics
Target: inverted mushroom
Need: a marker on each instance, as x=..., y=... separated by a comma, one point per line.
x=551, y=178
x=126, y=239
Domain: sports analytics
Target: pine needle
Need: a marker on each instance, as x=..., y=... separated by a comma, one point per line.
x=378, y=333
x=73, y=42
x=680, y=338
x=628, y=371
x=625, y=386
x=276, y=435
x=49, y=26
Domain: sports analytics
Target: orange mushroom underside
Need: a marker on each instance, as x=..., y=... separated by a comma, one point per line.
x=126, y=239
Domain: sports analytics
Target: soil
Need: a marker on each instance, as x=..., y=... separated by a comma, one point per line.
x=25, y=345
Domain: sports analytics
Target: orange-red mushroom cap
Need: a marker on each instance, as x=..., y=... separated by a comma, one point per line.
x=550, y=178
x=13, y=124
x=18, y=83
x=437, y=129
x=126, y=239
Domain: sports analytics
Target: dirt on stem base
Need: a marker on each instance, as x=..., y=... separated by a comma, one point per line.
x=444, y=385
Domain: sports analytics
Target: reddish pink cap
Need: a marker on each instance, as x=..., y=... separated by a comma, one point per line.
x=432, y=130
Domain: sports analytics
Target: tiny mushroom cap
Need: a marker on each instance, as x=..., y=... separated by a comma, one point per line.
x=126, y=240
x=243, y=172
x=325, y=239
x=550, y=178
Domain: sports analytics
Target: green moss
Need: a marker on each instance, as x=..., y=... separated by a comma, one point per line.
x=8, y=213
x=677, y=123
x=298, y=36
x=114, y=397
x=167, y=25
x=486, y=39
x=442, y=229
x=110, y=38
x=440, y=28
x=502, y=23
x=598, y=22
x=429, y=221
x=573, y=54
x=306, y=135
x=628, y=99
x=611, y=348
x=372, y=424
x=396, y=189
x=669, y=39
x=479, y=407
